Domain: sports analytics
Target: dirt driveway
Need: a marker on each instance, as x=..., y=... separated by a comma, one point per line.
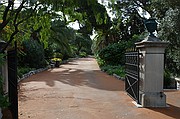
x=79, y=90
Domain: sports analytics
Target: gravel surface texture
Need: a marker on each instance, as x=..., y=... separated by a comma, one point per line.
x=79, y=90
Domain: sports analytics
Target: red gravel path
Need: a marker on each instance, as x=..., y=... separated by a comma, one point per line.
x=79, y=90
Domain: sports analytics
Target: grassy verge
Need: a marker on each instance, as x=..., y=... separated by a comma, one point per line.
x=118, y=70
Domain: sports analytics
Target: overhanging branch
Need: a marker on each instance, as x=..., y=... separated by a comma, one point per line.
x=16, y=24
x=142, y=5
x=5, y=14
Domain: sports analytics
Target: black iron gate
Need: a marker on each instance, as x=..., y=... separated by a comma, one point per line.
x=12, y=81
x=132, y=75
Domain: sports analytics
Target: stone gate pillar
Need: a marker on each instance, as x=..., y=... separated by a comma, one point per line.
x=151, y=72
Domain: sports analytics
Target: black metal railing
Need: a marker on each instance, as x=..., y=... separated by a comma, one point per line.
x=12, y=82
x=132, y=75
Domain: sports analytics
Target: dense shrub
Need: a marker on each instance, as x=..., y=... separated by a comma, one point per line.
x=23, y=70
x=169, y=81
x=167, y=78
x=111, y=59
x=82, y=54
x=33, y=55
x=99, y=61
x=172, y=62
x=58, y=55
x=118, y=70
x=48, y=52
x=113, y=54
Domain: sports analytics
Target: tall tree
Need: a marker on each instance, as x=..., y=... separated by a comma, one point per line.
x=170, y=31
x=11, y=16
x=62, y=35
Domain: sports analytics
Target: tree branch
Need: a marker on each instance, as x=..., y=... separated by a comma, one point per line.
x=5, y=21
x=65, y=20
x=18, y=11
x=16, y=24
x=142, y=6
x=21, y=21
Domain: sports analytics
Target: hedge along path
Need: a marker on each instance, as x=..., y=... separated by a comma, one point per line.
x=79, y=90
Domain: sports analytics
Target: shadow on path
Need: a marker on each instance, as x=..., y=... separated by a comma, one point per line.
x=76, y=75
x=46, y=86
x=171, y=111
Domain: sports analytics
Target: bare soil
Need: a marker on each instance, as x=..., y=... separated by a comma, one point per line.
x=79, y=90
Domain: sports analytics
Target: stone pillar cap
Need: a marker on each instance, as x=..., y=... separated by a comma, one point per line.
x=177, y=79
x=151, y=42
x=151, y=38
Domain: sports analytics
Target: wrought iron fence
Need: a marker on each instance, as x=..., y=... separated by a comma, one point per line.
x=132, y=75
x=12, y=81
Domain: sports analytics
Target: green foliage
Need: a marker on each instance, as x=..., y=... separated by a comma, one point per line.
x=118, y=70
x=61, y=37
x=127, y=21
x=23, y=70
x=3, y=99
x=15, y=20
x=170, y=31
x=100, y=61
x=82, y=43
x=58, y=55
x=49, y=52
x=56, y=59
x=113, y=54
x=37, y=26
x=34, y=54
x=99, y=42
x=83, y=54
x=167, y=78
x=167, y=14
